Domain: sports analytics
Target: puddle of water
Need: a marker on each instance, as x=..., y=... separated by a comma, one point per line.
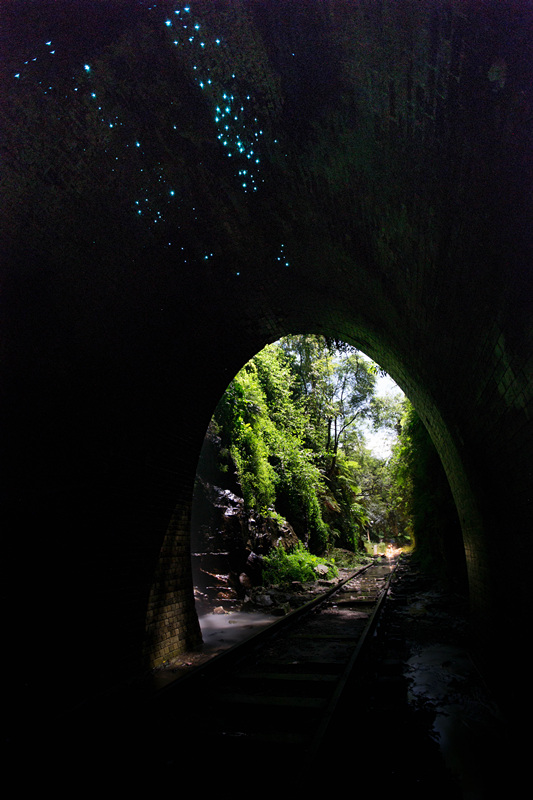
x=434, y=669
x=442, y=676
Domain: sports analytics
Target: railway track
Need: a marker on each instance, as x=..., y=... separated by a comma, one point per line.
x=278, y=690
x=314, y=703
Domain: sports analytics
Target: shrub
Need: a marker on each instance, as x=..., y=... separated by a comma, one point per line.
x=299, y=564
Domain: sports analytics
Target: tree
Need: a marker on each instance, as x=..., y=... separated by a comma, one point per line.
x=292, y=426
x=337, y=384
x=351, y=390
x=422, y=498
x=264, y=431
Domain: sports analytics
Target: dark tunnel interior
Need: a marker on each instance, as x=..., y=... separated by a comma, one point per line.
x=183, y=184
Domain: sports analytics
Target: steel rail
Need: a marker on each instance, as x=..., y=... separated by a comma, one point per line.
x=350, y=668
x=281, y=686
x=241, y=650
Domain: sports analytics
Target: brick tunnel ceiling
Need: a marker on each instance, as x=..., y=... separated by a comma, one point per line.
x=181, y=184
x=368, y=150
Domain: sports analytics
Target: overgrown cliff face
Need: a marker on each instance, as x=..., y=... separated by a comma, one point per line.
x=227, y=540
x=439, y=549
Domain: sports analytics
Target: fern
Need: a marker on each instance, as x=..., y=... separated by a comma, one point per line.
x=299, y=564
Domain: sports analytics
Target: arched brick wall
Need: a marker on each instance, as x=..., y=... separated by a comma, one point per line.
x=392, y=210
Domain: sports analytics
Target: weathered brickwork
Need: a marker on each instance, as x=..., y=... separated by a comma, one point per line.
x=171, y=624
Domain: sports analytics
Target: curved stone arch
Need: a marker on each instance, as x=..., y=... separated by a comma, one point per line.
x=172, y=624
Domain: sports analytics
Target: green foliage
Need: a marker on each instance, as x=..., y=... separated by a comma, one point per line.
x=335, y=385
x=299, y=564
x=404, y=463
x=345, y=559
x=291, y=429
x=262, y=428
x=423, y=498
x=257, y=476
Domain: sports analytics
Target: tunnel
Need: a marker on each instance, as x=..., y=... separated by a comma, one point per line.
x=183, y=184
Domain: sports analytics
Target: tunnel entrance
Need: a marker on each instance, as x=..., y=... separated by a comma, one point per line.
x=348, y=417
